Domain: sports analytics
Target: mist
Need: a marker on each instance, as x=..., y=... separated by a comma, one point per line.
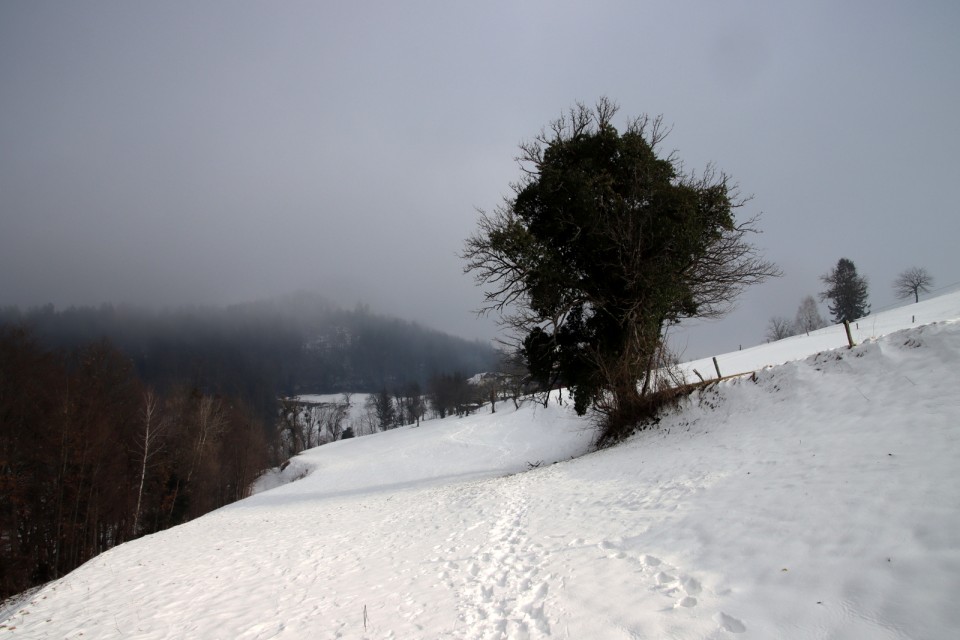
x=216, y=153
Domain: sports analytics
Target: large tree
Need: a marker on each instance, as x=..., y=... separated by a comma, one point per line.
x=911, y=282
x=847, y=291
x=604, y=244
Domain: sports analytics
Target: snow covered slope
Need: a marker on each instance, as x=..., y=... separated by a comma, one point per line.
x=832, y=337
x=818, y=501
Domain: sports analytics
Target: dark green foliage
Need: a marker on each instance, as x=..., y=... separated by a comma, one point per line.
x=606, y=244
x=618, y=231
x=847, y=292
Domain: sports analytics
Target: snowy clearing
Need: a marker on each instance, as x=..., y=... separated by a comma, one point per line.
x=819, y=500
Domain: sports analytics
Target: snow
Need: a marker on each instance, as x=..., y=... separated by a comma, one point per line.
x=815, y=500
x=832, y=337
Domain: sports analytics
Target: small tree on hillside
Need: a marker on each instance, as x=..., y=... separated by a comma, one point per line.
x=779, y=328
x=381, y=405
x=412, y=403
x=451, y=394
x=911, y=282
x=148, y=444
x=514, y=375
x=330, y=417
x=808, y=316
x=847, y=292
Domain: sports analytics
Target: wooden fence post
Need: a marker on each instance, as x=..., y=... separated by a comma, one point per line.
x=717, y=367
x=846, y=325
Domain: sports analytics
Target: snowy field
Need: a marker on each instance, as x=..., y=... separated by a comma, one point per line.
x=832, y=337
x=820, y=500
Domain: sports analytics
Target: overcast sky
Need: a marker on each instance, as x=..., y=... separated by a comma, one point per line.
x=173, y=153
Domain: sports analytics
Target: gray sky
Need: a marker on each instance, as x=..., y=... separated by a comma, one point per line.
x=218, y=152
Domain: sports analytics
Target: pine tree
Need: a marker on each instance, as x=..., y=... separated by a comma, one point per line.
x=847, y=292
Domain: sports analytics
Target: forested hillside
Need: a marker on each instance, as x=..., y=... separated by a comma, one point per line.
x=90, y=456
x=286, y=346
x=119, y=422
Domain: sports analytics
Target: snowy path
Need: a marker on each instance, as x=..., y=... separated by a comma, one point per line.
x=499, y=587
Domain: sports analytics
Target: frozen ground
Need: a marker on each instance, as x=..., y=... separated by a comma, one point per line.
x=819, y=500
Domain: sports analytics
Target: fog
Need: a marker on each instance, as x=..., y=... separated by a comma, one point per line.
x=218, y=152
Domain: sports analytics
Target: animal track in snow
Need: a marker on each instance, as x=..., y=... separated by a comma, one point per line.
x=729, y=623
x=683, y=590
x=671, y=582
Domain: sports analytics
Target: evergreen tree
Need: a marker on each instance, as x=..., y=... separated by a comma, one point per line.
x=605, y=244
x=384, y=411
x=847, y=292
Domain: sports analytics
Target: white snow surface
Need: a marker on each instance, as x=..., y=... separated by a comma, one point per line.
x=819, y=499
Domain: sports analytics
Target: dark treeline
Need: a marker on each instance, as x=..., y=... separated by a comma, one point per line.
x=117, y=422
x=259, y=351
x=91, y=457
x=359, y=351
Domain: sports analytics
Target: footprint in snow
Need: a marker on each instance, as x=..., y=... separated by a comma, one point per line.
x=650, y=561
x=663, y=578
x=673, y=583
x=729, y=623
x=691, y=585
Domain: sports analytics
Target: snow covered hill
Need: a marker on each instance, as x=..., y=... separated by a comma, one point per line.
x=817, y=500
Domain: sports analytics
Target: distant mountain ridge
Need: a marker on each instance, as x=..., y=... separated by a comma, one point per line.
x=289, y=345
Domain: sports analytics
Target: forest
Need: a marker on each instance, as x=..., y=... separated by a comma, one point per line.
x=91, y=456
x=119, y=422
x=261, y=350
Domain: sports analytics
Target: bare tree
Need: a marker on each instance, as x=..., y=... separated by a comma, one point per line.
x=291, y=426
x=330, y=417
x=514, y=375
x=911, y=282
x=808, y=316
x=450, y=394
x=90, y=457
x=149, y=443
x=210, y=424
x=779, y=328
x=413, y=403
x=366, y=423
